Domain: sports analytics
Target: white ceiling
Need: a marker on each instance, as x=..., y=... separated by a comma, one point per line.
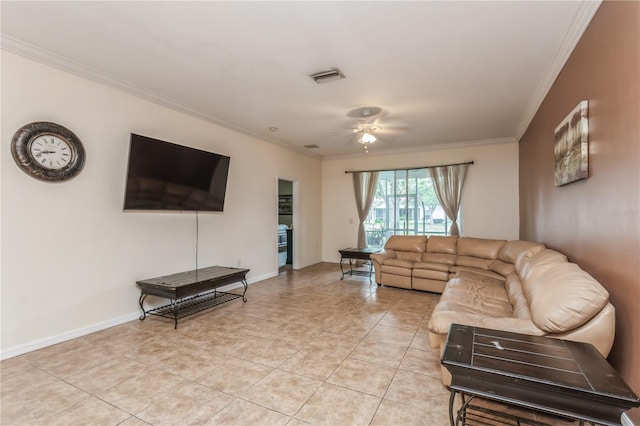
x=443, y=73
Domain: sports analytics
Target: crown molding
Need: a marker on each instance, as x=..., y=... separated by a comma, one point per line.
x=426, y=148
x=63, y=63
x=581, y=21
x=37, y=54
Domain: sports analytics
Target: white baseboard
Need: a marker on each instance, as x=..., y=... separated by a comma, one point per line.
x=63, y=337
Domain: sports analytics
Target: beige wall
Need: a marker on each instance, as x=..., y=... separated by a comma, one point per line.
x=596, y=222
x=71, y=256
x=490, y=197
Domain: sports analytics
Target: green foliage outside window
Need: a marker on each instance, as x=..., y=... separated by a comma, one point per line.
x=405, y=204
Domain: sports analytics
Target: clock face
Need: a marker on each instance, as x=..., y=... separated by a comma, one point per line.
x=51, y=152
x=48, y=151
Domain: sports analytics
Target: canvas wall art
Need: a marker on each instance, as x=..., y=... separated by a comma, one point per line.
x=571, y=152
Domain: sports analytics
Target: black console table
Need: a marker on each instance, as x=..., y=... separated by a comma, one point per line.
x=191, y=291
x=352, y=254
x=558, y=377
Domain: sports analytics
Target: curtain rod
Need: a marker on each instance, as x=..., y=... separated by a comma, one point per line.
x=407, y=168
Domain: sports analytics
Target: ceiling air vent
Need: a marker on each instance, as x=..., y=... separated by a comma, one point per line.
x=326, y=76
x=312, y=146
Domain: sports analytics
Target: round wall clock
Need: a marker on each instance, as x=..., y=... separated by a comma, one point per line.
x=48, y=151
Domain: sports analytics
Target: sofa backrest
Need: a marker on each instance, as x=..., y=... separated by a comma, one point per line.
x=441, y=250
x=528, y=268
x=512, y=250
x=437, y=244
x=563, y=297
x=510, y=253
x=407, y=247
x=477, y=252
x=479, y=247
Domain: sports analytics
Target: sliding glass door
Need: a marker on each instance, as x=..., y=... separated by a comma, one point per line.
x=405, y=204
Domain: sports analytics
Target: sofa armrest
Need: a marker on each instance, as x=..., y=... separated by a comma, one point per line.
x=380, y=257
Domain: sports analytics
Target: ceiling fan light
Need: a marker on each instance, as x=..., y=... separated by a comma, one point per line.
x=367, y=138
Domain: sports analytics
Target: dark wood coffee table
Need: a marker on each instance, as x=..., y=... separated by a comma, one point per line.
x=558, y=377
x=352, y=254
x=190, y=292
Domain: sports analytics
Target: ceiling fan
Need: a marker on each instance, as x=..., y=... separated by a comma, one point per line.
x=370, y=129
x=366, y=131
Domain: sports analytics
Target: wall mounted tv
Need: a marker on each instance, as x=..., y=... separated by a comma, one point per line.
x=165, y=176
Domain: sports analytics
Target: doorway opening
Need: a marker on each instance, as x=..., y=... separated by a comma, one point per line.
x=285, y=225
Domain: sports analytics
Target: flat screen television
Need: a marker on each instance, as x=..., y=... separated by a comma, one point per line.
x=165, y=176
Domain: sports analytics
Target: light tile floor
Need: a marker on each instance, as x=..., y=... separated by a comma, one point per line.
x=306, y=348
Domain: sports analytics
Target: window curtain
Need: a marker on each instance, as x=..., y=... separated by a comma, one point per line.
x=364, y=187
x=448, y=182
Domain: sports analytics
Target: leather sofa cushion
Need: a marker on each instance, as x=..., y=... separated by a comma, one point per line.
x=447, y=259
x=466, y=306
x=474, y=262
x=502, y=268
x=431, y=274
x=398, y=262
x=431, y=265
x=529, y=268
x=512, y=250
x=482, y=285
x=409, y=255
x=457, y=304
x=480, y=301
x=477, y=271
x=406, y=243
x=447, y=245
x=396, y=270
x=477, y=293
x=495, y=307
x=479, y=247
x=564, y=297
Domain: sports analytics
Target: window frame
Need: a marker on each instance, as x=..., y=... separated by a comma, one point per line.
x=405, y=198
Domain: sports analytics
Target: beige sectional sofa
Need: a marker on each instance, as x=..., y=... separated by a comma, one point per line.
x=421, y=263
x=516, y=286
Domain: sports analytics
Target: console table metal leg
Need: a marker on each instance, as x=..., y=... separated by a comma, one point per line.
x=341, y=270
x=462, y=412
x=461, y=417
x=452, y=399
x=140, y=302
x=175, y=309
x=474, y=414
x=245, y=284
